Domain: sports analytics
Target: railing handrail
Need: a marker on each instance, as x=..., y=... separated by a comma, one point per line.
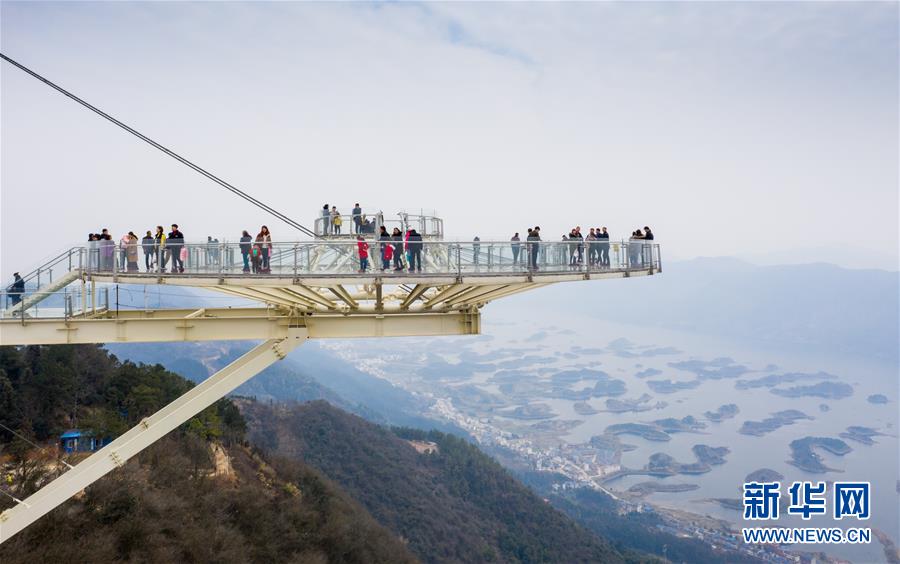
x=49, y=264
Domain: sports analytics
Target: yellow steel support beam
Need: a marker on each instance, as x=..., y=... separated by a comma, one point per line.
x=471, y=296
x=344, y=296
x=253, y=324
x=445, y=294
x=413, y=295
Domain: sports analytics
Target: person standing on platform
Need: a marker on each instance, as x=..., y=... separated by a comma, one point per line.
x=264, y=240
x=363, y=250
x=326, y=220
x=476, y=249
x=516, y=247
x=357, y=217
x=246, y=246
x=415, y=251
x=385, y=248
x=175, y=243
x=147, y=244
x=336, y=220
x=534, y=243
x=397, y=238
x=107, y=251
x=161, y=251
x=603, y=238
x=131, y=252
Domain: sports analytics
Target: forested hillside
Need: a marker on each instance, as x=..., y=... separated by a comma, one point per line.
x=173, y=503
x=454, y=504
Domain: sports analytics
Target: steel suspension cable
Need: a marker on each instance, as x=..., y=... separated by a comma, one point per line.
x=165, y=150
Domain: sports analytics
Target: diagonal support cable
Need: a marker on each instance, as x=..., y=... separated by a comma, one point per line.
x=165, y=150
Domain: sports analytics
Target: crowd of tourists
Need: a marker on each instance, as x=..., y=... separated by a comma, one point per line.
x=398, y=251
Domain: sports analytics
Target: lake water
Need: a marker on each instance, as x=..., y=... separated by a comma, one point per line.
x=878, y=464
x=540, y=349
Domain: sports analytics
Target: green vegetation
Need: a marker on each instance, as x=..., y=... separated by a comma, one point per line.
x=168, y=504
x=46, y=390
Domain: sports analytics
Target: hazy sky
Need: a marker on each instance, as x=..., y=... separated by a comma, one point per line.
x=761, y=130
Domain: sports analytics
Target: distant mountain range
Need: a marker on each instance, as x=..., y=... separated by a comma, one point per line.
x=808, y=306
x=309, y=373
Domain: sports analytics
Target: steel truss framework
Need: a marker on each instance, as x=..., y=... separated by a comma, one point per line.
x=290, y=310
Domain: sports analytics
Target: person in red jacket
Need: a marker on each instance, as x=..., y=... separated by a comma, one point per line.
x=363, y=253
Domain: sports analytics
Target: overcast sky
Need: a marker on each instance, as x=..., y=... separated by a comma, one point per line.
x=760, y=130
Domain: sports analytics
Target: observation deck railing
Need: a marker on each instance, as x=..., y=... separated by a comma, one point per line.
x=325, y=259
x=429, y=226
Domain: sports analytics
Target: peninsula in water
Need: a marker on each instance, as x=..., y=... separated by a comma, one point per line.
x=644, y=488
x=861, y=434
x=803, y=455
x=649, y=432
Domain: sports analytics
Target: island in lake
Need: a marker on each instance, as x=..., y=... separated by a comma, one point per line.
x=764, y=475
x=649, y=432
x=776, y=379
x=715, y=369
x=710, y=455
x=877, y=399
x=671, y=386
x=804, y=457
x=661, y=464
x=827, y=390
x=584, y=408
x=647, y=372
x=624, y=405
x=530, y=411
x=687, y=424
x=608, y=387
x=776, y=421
x=727, y=411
